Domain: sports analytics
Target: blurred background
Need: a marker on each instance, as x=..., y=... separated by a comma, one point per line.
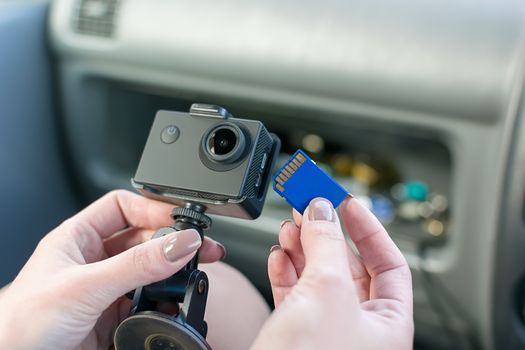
x=414, y=106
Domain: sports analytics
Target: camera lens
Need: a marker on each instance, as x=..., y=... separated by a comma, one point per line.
x=222, y=141
x=225, y=143
x=160, y=342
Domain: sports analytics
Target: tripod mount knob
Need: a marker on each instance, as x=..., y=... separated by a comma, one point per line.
x=188, y=214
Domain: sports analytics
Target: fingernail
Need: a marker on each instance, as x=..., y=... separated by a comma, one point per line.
x=181, y=244
x=284, y=222
x=274, y=248
x=321, y=210
x=223, y=256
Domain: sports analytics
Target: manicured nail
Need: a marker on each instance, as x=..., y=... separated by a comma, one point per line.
x=274, y=248
x=223, y=256
x=284, y=222
x=181, y=244
x=321, y=210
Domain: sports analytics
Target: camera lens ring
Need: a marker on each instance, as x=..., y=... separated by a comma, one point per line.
x=224, y=143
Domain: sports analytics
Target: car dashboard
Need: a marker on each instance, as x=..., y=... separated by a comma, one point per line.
x=415, y=107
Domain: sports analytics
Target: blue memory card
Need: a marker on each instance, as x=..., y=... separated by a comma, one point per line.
x=300, y=180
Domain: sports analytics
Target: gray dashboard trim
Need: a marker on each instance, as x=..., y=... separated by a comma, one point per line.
x=456, y=59
x=454, y=68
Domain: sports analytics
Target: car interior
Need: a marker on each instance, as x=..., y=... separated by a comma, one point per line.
x=416, y=108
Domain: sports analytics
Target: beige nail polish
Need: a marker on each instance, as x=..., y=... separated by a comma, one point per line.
x=223, y=256
x=274, y=248
x=321, y=210
x=284, y=222
x=180, y=244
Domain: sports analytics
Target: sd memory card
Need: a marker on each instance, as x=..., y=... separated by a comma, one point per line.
x=300, y=180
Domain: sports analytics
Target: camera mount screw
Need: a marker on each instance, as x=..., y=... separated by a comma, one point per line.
x=192, y=214
x=201, y=287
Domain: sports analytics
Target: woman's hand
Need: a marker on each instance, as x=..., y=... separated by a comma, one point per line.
x=69, y=294
x=326, y=296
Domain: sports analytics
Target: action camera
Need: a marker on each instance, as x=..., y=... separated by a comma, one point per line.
x=204, y=162
x=208, y=157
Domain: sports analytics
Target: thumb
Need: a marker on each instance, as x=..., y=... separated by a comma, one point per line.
x=145, y=263
x=324, y=245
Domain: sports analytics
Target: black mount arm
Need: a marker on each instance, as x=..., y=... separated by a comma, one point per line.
x=188, y=286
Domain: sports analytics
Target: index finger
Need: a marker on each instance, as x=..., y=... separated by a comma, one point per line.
x=388, y=268
x=297, y=218
x=121, y=209
x=210, y=250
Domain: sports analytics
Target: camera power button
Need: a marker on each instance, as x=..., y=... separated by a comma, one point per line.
x=169, y=134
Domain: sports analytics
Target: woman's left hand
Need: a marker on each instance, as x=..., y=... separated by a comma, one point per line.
x=70, y=293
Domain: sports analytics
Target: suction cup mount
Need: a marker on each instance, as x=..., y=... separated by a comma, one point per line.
x=149, y=329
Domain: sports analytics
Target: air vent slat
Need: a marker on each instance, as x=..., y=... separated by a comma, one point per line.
x=95, y=17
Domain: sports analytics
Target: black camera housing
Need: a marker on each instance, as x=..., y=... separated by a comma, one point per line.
x=208, y=157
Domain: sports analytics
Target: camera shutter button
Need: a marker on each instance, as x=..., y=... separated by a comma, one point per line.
x=169, y=134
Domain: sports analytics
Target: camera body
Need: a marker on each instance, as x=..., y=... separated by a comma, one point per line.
x=208, y=157
x=204, y=162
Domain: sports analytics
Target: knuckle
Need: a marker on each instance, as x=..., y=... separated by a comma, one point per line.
x=119, y=196
x=45, y=242
x=147, y=262
x=331, y=278
x=328, y=279
x=327, y=230
x=66, y=230
x=118, y=193
x=77, y=230
x=74, y=227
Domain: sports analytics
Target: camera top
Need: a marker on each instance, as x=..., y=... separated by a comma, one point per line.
x=209, y=158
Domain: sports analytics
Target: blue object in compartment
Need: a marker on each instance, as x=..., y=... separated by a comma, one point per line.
x=416, y=190
x=300, y=180
x=383, y=208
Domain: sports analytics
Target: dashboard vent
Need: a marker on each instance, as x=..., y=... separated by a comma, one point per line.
x=95, y=17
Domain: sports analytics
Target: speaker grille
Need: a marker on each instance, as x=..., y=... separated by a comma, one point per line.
x=95, y=17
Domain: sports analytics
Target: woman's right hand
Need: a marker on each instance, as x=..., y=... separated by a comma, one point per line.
x=326, y=296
